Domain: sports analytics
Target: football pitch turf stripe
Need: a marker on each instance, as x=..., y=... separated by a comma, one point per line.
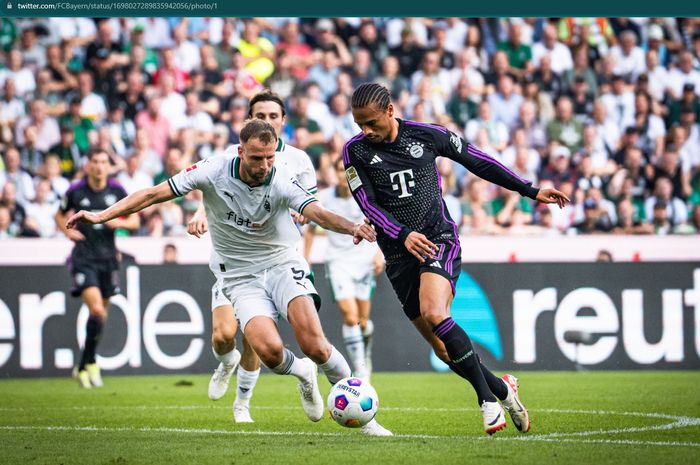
x=102, y=429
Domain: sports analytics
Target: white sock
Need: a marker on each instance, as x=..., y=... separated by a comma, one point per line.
x=355, y=346
x=246, y=381
x=336, y=367
x=291, y=365
x=369, y=329
x=226, y=359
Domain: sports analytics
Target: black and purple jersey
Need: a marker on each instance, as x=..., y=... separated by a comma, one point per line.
x=397, y=184
x=99, y=239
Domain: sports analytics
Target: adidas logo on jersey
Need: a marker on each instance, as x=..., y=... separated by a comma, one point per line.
x=375, y=160
x=436, y=265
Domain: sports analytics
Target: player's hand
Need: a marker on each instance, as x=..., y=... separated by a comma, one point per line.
x=552, y=196
x=197, y=226
x=299, y=218
x=363, y=231
x=82, y=216
x=74, y=235
x=419, y=246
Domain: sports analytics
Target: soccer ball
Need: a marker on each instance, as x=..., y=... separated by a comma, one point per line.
x=353, y=402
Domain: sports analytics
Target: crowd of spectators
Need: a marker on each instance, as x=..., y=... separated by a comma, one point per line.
x=604, y=109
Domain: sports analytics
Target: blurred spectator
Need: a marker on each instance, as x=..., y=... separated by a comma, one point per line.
x=362, y=70
x=326, y=39
x=52, y=172
x=627, y=222
x=324, y=73
x=172, y=164
x=41, y=211
x=604, y=256
x=368, y=38
x=8, y=199
x=299, y=54
x=558, y=169
x=408, y=52
x=5, y=223
x=581, y=98
x=688, y=101
x=46, y=127
x=497, y=132
x=11, y=106
x=68, y=152
x=18, y=72
x=169, y=254
x=558, y=53
x=392, y=79
x=628, y=56
x=83, y=128
x=564, y=127
x=14, y=174
x=186, y=53
x=595, y=221
x=652, y=130
x=683, y=74
x=519, y=54
x=157, y=125
x=122, y=131
x=132, y=178
x=257, y=51
x=676, y=211
x=461, y=107
x=655, y=74
x=581, y=70
x=505, y=103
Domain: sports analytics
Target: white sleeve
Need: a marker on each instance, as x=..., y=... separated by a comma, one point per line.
x=307, y=174
x=295, y=195
x=197, y=176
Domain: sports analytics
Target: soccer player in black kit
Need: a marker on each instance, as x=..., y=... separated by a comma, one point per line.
x=93, y=261
x=390, y=167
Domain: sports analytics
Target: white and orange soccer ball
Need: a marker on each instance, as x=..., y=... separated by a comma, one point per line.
x=353, y=402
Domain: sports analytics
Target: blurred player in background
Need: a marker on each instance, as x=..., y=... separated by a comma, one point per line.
x=93, y=261
x=351, y=271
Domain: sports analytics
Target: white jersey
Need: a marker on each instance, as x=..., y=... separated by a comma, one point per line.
x=340, y=246
x=294, y=160
x=251, y=229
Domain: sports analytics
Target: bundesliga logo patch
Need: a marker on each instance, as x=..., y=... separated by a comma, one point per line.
x=353, y=178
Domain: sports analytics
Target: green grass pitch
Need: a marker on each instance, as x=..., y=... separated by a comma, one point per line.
x=581, y=418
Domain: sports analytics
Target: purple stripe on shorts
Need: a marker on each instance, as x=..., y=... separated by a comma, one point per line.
x=483, y=156
x=453, y=251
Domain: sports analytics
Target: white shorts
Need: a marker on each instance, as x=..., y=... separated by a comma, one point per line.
x=269, y=292
x=350, y=281
x=218, y=299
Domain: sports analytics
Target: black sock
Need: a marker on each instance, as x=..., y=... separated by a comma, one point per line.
x=464, y=360
x=496, y=384
x=92, y=336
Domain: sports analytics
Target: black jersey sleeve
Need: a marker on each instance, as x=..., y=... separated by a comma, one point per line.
x=452, y=146
x=364, y=194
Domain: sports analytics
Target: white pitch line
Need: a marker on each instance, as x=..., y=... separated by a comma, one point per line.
x=102, y=429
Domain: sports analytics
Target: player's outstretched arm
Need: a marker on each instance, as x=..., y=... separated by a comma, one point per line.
x=552, y=196
x=126, y=206
x=329, y=220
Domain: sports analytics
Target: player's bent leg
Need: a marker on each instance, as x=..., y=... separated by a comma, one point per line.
x=367, y=331
x=435, y=298
x=304, y=320
x=224, y=328
x=262, y=334
x=246, y=379
x=352, y=336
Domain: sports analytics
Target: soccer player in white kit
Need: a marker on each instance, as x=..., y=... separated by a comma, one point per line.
x=269, y=107
x=247, y=200
x=351, y=271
